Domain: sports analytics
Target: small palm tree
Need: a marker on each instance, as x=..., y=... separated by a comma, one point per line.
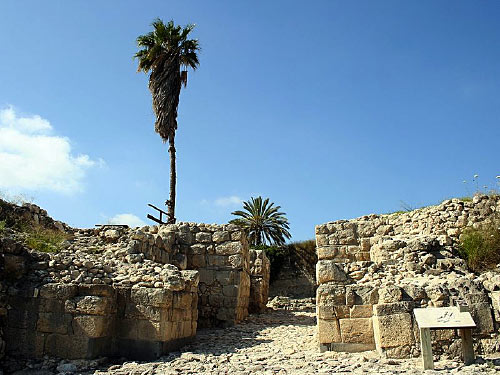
x=167, y=52
x=263, y=222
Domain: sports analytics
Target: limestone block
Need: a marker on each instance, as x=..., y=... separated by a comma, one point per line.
x=133, y=311
x=191, y=278
x=197, y=261
x=330, y=311
x=481, y=313
x=390, y=294
x=58, y=291
x=182, y=300
x=393, y=308
x=51, y=305
x=367, y=228
x=229, y=248
x=357, y=330
x=361, y=311
x=333, y=252
x=327, y=270
x=158, y=297
x=393, y=330
x=198, y=248
x=235, y=261
x=140, y=330
x=90, y=305
x=92, y=325
x=365, y=244
x=53, y=323
x=74, y=347
x=328, y=331
x=203, y=237
x=221, y=236
x=331, y=294
x=322, y=240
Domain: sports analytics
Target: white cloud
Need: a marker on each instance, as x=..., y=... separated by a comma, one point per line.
x=228, y=201
x=129, y=219
x=32, y=158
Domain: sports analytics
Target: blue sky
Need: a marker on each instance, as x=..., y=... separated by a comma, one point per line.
x=333, y=109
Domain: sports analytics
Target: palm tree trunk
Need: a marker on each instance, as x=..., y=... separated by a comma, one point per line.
x=173, y=180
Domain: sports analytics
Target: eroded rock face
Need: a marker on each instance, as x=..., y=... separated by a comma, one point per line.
x=260, y=271
x=374, y=270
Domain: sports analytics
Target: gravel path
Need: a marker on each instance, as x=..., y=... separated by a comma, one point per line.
x=280, y=342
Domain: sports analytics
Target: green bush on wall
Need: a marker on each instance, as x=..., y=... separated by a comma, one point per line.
x=480, y=247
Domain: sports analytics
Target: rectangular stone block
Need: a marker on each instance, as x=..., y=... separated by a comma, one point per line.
x=133, y=311
x=51, y=305
x=328, y=331
x=207, y=276
x=92, y=325
x=90, y=305
x=337, y=253
x=481, y=313
x=53, y=322
x=157, y=297
x=229, y=248
x=393, y=330
x=76, y=347
x=357, y=330
x=361, y=311
x=331, y=294
x=58, y=291
x=217, y=260
x=330, y=311
x=328, y=270
x=383, y=309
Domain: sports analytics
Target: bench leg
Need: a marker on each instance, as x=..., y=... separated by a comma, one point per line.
x=467, y=347
x=426, y=347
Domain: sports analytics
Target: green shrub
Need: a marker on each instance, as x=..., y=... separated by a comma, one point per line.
x=3, y=224
x=480, y=247
x=45, y=240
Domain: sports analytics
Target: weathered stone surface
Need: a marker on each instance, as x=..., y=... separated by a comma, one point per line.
x=92, y=326
x=53, y=323
x=361, y=311
x=327, y=270
x=356, y=330
x=328, y=331
x=393, y=330
x=390, y=294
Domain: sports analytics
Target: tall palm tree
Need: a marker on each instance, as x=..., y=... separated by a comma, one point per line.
x=263, y=222
x=167, y=52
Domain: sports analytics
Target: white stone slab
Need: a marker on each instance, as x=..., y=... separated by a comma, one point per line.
x=443, y=317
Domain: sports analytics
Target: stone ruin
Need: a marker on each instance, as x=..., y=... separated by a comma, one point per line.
x=373, y=271
x=136, y=293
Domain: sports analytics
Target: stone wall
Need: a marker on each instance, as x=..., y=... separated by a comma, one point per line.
x=28, y=214
x=128, y=292
x=372, y=271
x=218, y=252
x=260, y=270
x=85, y=320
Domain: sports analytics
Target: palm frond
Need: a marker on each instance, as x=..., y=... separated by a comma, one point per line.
x=263, y=222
